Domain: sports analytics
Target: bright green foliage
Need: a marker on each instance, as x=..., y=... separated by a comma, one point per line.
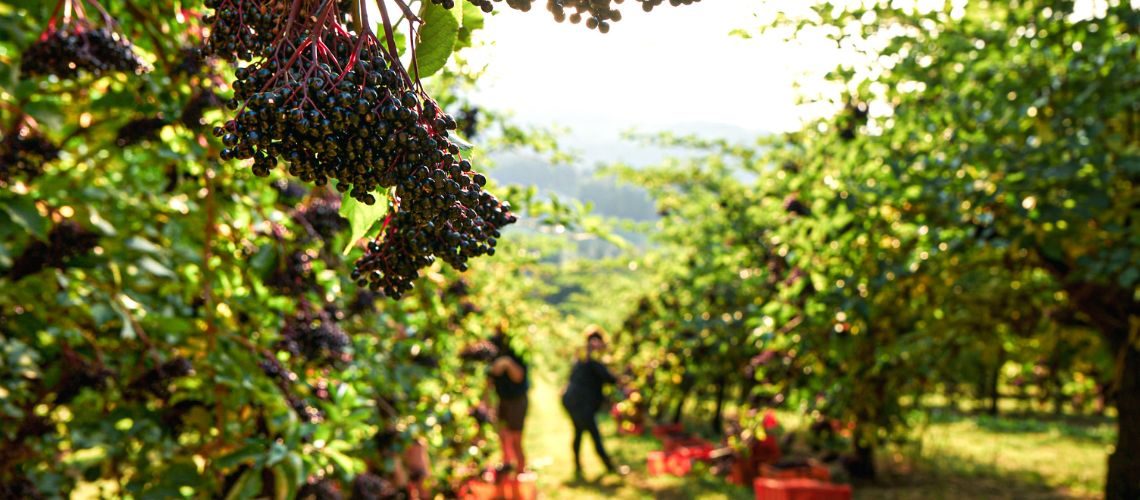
x=972, y=201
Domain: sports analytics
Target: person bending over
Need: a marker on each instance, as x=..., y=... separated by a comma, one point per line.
x=508, y=376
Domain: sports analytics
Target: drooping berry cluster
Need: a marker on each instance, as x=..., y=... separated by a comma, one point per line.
x=794, y=206
x=320, y=217
x=285, y=379
x=241, y=30
x=80, y=47
x=597, y=13
x=66, y=241
x=77, y=374
x=191, y=61
x=293, y=275
x=202, y=100
x=367, y=486
x=139, y=130
x=336, y=105
x=156, y=381
x=393, y=260
x=315, y=336
x=23, y=154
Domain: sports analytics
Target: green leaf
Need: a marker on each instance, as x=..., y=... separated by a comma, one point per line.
x=23, y=212
x=437, y=39
x=245, y=454
x=464, y=146
x=361, y=217
x=457, y=11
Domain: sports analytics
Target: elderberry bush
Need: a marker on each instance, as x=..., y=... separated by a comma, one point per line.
x=80, y=47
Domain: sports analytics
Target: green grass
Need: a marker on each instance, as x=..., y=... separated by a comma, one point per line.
x=957, y=457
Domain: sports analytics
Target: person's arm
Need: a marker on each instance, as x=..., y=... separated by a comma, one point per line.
x=507, y=365
x=605, y=374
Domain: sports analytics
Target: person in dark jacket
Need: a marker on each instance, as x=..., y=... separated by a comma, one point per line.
x=508, y=376
x=583, y=397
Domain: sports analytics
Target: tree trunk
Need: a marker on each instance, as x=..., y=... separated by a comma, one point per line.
x=1112, y=310
x=717, y=423
x=1124, y=463
x=995, y=378
x=863, y=464
x=678, y=411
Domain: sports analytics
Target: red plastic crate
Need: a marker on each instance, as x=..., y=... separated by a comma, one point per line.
x=811, y=471
x=658, y=463
x=655, y=463
x=699, y=451
x=799, y=489
x=677, y=464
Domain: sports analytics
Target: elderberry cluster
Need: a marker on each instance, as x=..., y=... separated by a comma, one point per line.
x=241, y=30
x=332, y=105
x=200, y=101
x=77, y=374
x=394, y=259
x=66, y=241
x=321, y=217
x=23, y=155
x=368, y=486
x=139, y=130
x=315, y=336
x=80, y=47
x=322, y=489
x=294, y=275
x=357, y=126
x=156, y=381
x=598, y=14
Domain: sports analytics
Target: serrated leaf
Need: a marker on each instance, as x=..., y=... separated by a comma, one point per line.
x=437, y=39
x=361, y=217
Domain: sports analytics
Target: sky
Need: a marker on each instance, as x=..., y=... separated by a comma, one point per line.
x=676, y=68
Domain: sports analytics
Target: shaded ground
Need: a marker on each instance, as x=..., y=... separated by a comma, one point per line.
x=959, y=457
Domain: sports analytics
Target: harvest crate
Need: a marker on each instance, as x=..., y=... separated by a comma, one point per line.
x=659, y=463
x=799, y=489
x=806, y=471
